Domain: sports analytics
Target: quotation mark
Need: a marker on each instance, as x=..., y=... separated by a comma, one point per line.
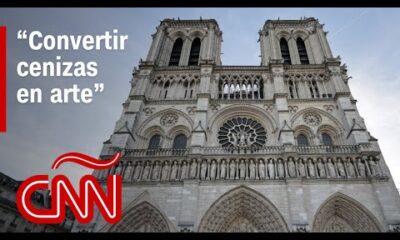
x=98, y=87
x=22, y=34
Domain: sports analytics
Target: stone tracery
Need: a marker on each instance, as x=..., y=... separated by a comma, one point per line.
x=144, y=217
x=242, y=209
x=342, y=214
x=312, y=119
x=242, y=132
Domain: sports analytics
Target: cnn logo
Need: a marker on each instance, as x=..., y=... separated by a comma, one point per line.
x=63, y=193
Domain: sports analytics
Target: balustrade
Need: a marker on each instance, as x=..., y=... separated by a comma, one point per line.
x=264, y=163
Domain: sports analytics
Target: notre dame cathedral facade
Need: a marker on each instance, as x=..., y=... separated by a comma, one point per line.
x=279, y=147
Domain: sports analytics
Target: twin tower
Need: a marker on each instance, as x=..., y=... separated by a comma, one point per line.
x=278, y=147
x=193, y=42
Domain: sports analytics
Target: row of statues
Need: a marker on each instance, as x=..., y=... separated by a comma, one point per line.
x=242, y=169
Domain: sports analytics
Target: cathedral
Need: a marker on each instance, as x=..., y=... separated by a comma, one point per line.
x=279, y=147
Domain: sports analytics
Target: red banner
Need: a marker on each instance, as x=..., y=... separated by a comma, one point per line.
x=3, y=79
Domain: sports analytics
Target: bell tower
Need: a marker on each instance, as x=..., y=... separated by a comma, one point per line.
x=294, y=41
x=186, y=43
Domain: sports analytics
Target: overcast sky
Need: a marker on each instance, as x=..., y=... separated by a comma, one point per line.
x=366, y=40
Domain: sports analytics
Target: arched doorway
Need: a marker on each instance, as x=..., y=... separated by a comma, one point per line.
x=242, y=210
x=143, y=217
x=340, y=213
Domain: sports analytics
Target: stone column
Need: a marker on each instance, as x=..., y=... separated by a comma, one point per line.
x=294, y=53
x=280, y=97
x=208, y=177
x=211, y=42
x=323, y=41
x=309, y=49
x=156, y=44
x=187, y=45
x=247, y=169
x=237, y=169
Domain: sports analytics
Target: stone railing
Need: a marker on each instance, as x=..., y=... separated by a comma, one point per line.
x=161, y=152
x=265, y=150
x=322, y=149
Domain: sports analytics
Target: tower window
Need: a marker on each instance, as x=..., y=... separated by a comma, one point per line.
x=291, y=91
x=301, y=47
x=176, y=52
x=326, y=139
x=166, y=86
x=315, y=89
x=195, y=52
x=302, y=140
x=285, y=51
x=185, y=85
x=154, y=142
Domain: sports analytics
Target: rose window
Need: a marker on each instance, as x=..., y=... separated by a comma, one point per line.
x=242, y=132
x=312, y=119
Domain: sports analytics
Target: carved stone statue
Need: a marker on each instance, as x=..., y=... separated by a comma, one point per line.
x=156, y=171
x=242, y=139
x=138, y=169
x=193, y=169
x=165, y=171
x=213, y=170
x=321, y=168
x=361, y=168
x=128, y=172
x=302, y=170
x=341, y=171
x=311, y=169
x=232, y=169
x=261, y=169
x=146, y=171
x=174, y=171
x=281, y=169
x=104, y=173
x=119, y=169
x=291, y=168
x=203, y=171
x=183, y=170
x=242, y=169
x=223, y=169
x=350, y=168
x=271, y=169
x=331, y=169
x=374, y=167
x=252, y=169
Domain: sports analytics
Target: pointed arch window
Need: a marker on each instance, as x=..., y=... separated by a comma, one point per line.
x=285, y=51
x=195, y=52
x=176, y=52
x=326, y=139
x=179, y=146
x=301, y=47
x=154, y=142
x=302, y=140
x=180, y=141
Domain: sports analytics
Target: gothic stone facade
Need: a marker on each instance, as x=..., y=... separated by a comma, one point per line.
x=279, y=147
x=12, y=221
